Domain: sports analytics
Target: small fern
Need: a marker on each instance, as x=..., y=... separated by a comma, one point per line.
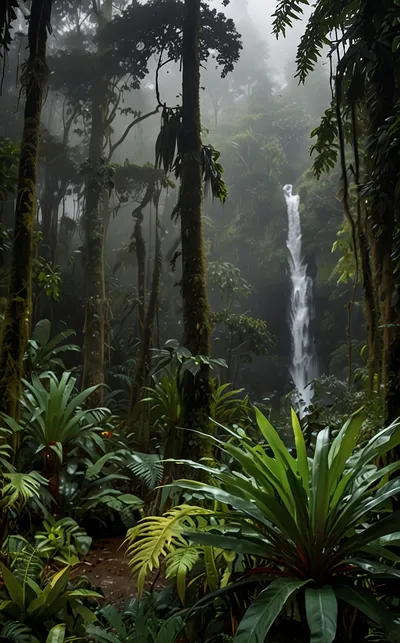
x=155, y=537
x=179, y=562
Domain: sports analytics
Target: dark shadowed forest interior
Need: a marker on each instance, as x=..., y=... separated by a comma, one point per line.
x=200, y=321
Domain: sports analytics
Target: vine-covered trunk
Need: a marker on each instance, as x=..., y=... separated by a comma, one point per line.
x=95, y=300
x=16, y=326
x=196, y=393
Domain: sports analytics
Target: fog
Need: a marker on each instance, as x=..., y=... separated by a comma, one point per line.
x=260, y=120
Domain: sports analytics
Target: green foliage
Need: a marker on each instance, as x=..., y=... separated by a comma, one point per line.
x=326, y=145
x=168, y=156
x=251, y=335
x=42, y=604
x=226, y=278
x=62, y=541
x=88, y=487
x=17, y=490
x=9, y=156
x=146, y=467
x=43, y=350
x=47, y=277
x=319, y=527
x=165, y=401
x=139, y=623
x=161, y=537
x=54, y=419
x=175, y=357
x=286, y=11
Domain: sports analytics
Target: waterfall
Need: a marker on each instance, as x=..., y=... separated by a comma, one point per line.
x=303, y=368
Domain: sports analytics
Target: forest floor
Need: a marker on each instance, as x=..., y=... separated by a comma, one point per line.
x=107, y=569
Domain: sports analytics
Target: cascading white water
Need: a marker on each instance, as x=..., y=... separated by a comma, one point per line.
x=303, y=369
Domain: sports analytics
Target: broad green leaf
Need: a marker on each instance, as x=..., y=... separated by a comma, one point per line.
x=276, y=443
x=13, y=587
x=301, y=451
x=363, y=600
x=56, y=634
x=239, y=544
x=262, y=613
x=320, y=486
x=343, y=446
x=322, y=612
x=170, y=630
x=375, y=568
x=101, y=635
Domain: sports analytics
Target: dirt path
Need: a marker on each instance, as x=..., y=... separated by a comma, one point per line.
x=106, y=567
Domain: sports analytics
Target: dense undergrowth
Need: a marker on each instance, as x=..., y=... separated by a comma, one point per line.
x=268, y=536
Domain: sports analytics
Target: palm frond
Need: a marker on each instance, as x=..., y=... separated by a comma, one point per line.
x=19, y=488
x=15, y=632
x=147, y=467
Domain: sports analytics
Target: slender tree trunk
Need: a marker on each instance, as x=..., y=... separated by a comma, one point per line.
x=140, y=249
x=93, y=369
x=143, y=365
x=18, y=312
x=96, y=192
x=196, y=394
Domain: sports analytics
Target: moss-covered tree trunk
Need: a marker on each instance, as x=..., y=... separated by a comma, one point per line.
x=383, y=208
x=95, y=300
x=196, y=394
x=16, y=326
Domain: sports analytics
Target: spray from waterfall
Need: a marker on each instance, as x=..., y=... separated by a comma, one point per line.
x=303, y=369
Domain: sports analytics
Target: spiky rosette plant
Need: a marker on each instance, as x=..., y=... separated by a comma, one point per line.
x=319, y=528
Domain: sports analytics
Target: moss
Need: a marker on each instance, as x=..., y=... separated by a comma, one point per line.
x=196, y=392
x=16, y=326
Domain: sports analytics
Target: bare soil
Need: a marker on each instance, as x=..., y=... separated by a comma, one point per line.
x=106, y=567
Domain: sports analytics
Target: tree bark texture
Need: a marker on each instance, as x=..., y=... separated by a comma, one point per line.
x=196, y=396
x=95, y=304
x=16, y=326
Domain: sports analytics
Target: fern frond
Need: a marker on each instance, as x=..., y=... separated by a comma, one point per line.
x=147, y=467
x=15, y=632
x=286, y=12
x=155, y=537
x=179, y=562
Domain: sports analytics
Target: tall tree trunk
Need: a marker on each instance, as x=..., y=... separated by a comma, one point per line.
x=18, y=312
x=95, y=306
x=383, y=208
x=143, y=366
x=93, y=369
x=197, y=392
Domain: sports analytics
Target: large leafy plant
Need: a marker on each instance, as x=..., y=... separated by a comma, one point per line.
x=29, y=598
x=54, y=418
x=89, y=487
x=320, y=528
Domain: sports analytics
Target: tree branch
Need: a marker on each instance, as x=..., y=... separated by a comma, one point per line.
x=128, y=129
